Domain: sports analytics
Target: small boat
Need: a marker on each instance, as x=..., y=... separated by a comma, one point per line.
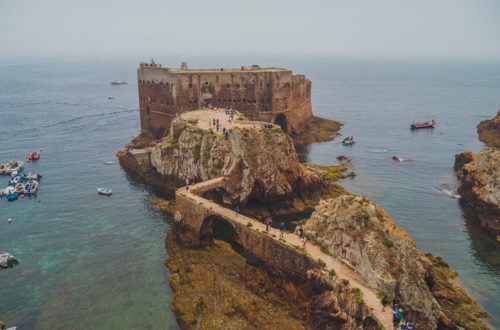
x=350, y=140
x=12, y=197
x=14, y=174
x=118, y=82
x=104, y=191
x=425, y=124
x=109, y=162
x=110, y=97
x=34, y=155
x=14, y=166
x=15, y=180
x=399, y=159
x=32, y=187
x=32, y=176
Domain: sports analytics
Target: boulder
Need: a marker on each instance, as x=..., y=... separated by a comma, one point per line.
x=7, y=260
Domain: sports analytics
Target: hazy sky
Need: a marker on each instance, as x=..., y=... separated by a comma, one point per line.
x=367, y=28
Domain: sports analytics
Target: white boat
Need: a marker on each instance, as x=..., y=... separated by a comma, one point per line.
x=118, y=82
x=32, y=176
x=33, y=187
x=14, y=166
x=104, y=191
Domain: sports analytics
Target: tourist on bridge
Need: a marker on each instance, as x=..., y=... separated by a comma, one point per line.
x=268, y=222
x=282, y=229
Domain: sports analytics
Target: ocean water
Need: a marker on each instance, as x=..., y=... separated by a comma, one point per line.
x=94, y=262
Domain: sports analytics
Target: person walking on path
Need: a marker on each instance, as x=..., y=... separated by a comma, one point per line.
x=268, y=222
x=237, y=210
x=304, y=241
x=282, y=229
x=187, y=184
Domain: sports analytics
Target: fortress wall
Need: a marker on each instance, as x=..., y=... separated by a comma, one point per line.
x=259, y=95
x=157, y=99
x=301, y=103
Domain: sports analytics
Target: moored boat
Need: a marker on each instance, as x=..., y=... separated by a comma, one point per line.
x=12, y=197
x=118, y=82
x=32, y=176
x=425, y=124
x=350, y=140
x=104, y=191
x=13, y=166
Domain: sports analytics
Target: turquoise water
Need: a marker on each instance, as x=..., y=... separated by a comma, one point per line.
x=88, y=261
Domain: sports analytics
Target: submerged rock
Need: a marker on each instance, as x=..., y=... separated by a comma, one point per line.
x=489, y=131
x=7, y=260
x=479, y=175
x=359, y=232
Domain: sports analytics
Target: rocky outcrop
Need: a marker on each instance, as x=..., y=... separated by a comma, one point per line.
x=489, y=131
x=479, y=175
x=217, y=286
x=363, y=235
x=7, y=260
x=261, y=163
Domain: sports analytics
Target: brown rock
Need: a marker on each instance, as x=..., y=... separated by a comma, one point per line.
x=489, y=131
x=479, y=175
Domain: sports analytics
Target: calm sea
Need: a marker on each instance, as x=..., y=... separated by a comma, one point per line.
x=93, y=262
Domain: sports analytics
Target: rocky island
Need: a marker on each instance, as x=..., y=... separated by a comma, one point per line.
x=479, y=175
x=489, y=131
x=227, y=173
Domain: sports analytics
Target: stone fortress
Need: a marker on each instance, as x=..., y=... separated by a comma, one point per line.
x=260, y=93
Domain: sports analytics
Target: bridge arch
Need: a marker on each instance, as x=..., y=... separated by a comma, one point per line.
x=282, y=122
x=217, y=227
x=369, y=323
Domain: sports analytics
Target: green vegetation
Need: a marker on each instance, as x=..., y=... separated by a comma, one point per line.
x=331, y=172
x=387, y=243
x=321, y=263
x=249, y=224
x=345, y=282
x=318, y=130
x=332, y=273
x=358, y=295
x=453, y=299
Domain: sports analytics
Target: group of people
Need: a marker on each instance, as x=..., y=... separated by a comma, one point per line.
x=398, y=320
x=215, y=122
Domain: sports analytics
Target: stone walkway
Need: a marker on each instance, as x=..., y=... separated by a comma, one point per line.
x=342, y=270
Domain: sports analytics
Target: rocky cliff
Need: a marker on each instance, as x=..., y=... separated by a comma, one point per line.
x=261, y=163
x=489, y=131
x=359, y=232
x=479, y=174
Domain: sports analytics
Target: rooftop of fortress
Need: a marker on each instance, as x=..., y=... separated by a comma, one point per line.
x=185, y=69
x=202, y=118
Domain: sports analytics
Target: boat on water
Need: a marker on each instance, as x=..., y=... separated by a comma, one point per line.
x=32, y=156
x=32, y=176
x=32, y=187
x=12, y=166
x=104, y=191
x=350, y=140
x=118, y=82
x=110, y=97
x=12, y=197
x=424, y=124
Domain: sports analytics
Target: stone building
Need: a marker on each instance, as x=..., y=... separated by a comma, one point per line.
x=260, y=93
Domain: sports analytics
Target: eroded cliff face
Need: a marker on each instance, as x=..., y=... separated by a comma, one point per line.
x=356, y=230
x=489, y=131
x=261, y=163
x=479, y=174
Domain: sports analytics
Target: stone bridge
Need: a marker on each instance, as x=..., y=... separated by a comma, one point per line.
x=193, y=226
